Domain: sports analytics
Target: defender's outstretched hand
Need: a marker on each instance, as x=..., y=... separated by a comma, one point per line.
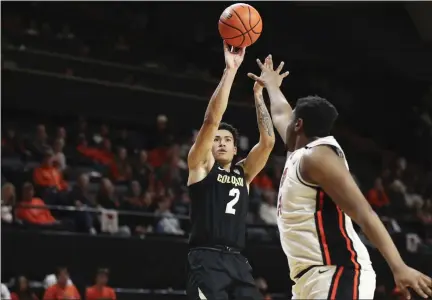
x=269, y=76
x=233, y=60
x=407, y=277
x=258, y=87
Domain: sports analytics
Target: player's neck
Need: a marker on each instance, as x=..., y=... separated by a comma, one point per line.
x=303, y=141
x=226, y=166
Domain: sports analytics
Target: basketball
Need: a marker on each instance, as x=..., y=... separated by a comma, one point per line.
x=240, y=25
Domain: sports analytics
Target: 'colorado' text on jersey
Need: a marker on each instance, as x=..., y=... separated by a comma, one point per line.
x=313, y=230
x=219, y=206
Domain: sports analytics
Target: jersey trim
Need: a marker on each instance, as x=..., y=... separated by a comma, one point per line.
x=300, y=178
x=332, y=234
x=344, y=284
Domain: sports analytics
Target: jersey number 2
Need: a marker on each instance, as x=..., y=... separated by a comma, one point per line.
x=230, y=205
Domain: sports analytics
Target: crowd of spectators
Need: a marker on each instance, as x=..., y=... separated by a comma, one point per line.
x=76, y=165
x=57, y=286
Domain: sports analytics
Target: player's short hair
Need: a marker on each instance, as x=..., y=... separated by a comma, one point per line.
x=232, y=129
x=318, y=115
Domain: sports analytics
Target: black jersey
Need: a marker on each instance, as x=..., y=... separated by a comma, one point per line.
x=219, y=206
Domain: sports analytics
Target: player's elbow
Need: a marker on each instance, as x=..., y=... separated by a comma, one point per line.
x=211, y=120
x=267, y=143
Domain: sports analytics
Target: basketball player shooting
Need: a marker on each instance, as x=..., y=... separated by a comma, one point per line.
x=219, y=194
x=317, y=199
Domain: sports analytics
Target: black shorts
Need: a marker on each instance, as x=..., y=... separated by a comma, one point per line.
x=220, y=275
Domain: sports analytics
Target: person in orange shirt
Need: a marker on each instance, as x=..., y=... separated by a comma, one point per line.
x=33, y=215
x=377, y=196
x=61, y=290
x=100, y=290
x=48, y=176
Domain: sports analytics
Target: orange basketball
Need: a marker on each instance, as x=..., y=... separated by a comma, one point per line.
x=240, y=25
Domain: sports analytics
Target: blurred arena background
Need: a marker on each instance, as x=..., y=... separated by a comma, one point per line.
x=100, y=102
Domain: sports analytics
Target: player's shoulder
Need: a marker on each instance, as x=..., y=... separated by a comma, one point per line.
x=320, y=155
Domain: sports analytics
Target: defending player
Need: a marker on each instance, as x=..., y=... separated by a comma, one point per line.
x=317, y=199
x=220, y=196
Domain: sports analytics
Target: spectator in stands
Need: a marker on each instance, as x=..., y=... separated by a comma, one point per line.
x=61, y=133
x=21, y=290
x=101, y=290
x=50, y=179
x=104, y=133
x=61, y=290
x=8, y=197
x=80, y=194
x=143, y=170
x=40, y=142
x=173, y=172
x=268, y=210
x=182, y=203
x=12, y=145
x=377, y=196
x=168, y=222
x=106, y=196
x=135, y=196
x=125, y=139
x=413, y=199
x=262, y=182
x=162, y=136
x=143, y=224
x=38, y=216
x=59, y=157
x=121, y=170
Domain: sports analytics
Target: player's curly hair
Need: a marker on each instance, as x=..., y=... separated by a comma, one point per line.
x=232, y=129
x=318, y=115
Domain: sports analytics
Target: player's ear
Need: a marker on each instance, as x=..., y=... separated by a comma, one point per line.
x=298, y=125
x=235, y=150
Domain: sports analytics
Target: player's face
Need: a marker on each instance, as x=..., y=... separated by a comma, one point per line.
x=293, y=129
x=223, y=146
x=290, y=133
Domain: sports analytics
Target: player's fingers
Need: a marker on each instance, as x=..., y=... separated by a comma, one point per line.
x=242, y=51
x=266, y=62
x=260, y=64
x=426, y=286
x=254, y=77
x=428, y=280
x=418, y=289
x=226, y=46
x=270, y=61
x=285, y=74
x=405, y=292
x=279, y=69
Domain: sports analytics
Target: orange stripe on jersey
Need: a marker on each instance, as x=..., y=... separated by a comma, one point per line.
x=351, y=250
x=336, y=283
x=323, y=240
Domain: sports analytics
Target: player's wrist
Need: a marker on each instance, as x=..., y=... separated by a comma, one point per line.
x=271, y=86
x=258, y=91
x=229, y=69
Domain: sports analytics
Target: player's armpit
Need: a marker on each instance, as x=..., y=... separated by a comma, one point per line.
x=256, y=160
x=200, y=151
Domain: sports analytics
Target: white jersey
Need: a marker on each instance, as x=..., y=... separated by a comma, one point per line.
x=313, y=230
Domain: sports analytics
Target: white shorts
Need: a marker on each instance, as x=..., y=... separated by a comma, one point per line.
x=334, y=283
